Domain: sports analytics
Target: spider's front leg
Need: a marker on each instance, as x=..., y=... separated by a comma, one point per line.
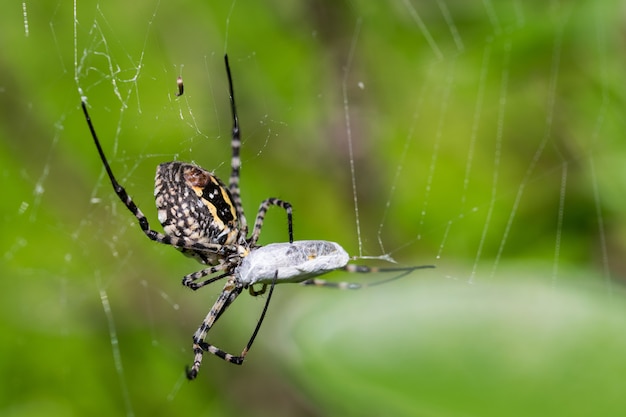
x=260, y=217
x=180, y=242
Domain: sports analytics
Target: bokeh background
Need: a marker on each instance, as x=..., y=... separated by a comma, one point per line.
x=487, y=138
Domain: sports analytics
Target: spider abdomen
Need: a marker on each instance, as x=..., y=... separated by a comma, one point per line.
x=195, y=204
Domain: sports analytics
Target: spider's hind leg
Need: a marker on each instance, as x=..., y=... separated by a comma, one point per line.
x=190, y=279
x=363, y=269
x=228, y=295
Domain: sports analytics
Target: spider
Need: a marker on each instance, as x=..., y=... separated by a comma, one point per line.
x=204, y=219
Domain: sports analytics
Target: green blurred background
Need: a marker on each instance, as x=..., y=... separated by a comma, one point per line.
x=486, y=140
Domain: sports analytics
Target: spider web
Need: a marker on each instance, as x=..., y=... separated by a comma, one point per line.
x=482, y=138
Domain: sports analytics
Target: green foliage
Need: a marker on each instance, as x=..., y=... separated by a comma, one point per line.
x=522, y=197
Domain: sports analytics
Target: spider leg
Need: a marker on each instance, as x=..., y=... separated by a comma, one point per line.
x=256, y=293
x=233, y=182
x=178, y=242
x=190, y=279
x=228, y=295
x=260, y=217
x=362, y=269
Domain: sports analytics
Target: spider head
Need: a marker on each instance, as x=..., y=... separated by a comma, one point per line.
x=195, y=204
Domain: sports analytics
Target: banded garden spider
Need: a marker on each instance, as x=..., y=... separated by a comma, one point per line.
x=204, y=219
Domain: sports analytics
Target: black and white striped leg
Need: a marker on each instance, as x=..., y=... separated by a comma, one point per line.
x=362, y=269
x=228, y=295
x=233, y=182
x=178, y=242
x=190, y=279
x=260, y=217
